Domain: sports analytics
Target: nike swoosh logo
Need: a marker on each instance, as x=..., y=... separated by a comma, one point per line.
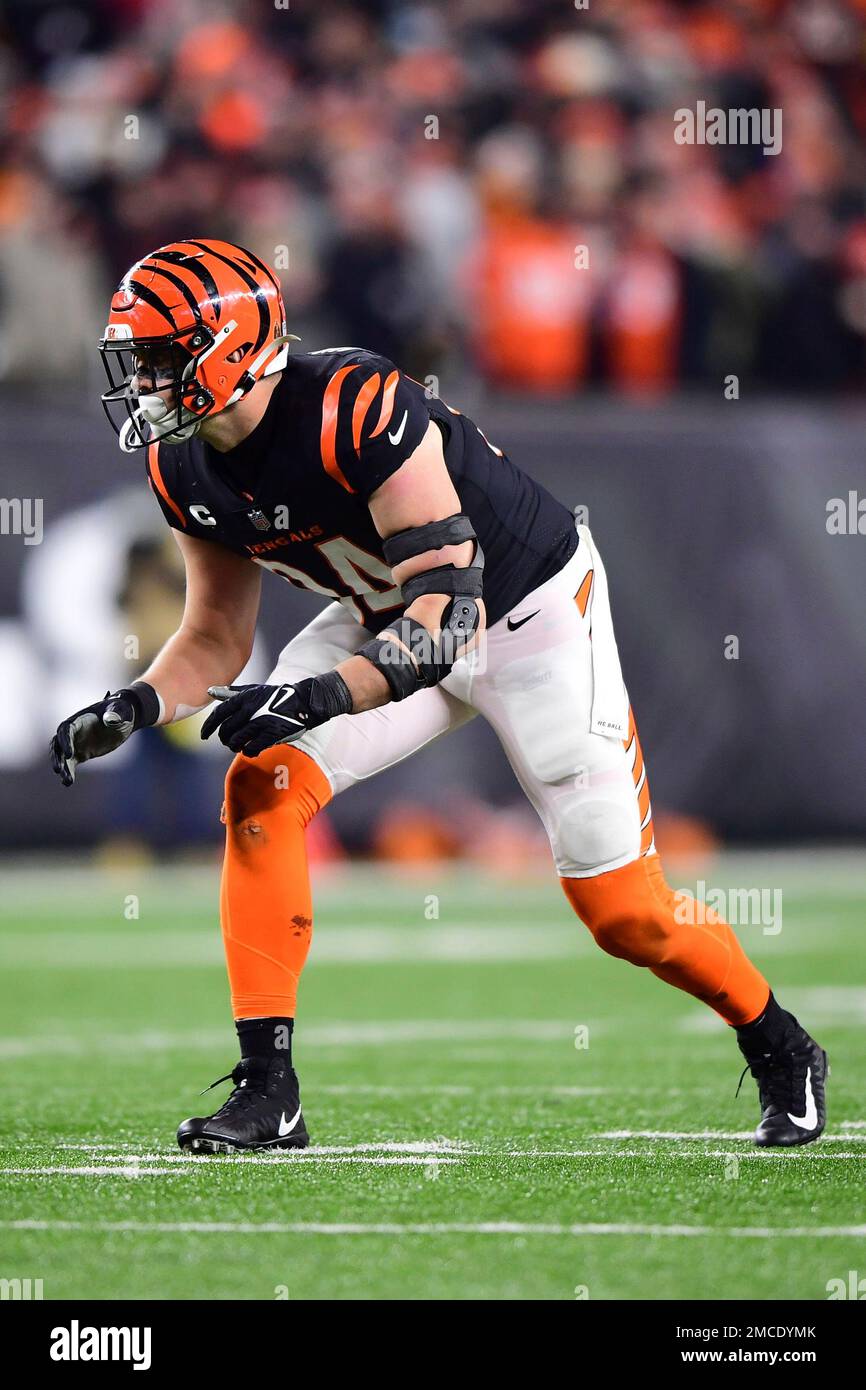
x=810, y=1119
x=513, y=626
x=286, y=1126
x=395, y=438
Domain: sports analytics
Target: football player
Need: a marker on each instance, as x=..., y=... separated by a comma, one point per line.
x=456, y=586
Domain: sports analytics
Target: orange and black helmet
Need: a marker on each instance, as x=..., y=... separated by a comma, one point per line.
x=178, y=316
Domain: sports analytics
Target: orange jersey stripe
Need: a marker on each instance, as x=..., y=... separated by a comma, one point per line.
x=362, y=405
x=387, y=403
x=581, y=598
x=330, y=406
x=156, y=478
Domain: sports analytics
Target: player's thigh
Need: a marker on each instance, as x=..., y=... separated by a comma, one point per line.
x=331, y=636
x=537, y=693
x=581, y=785
x=592, y=815
x=355, y=746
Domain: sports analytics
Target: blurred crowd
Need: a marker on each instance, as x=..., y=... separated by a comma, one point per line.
x=486, y=190
x=425, y=174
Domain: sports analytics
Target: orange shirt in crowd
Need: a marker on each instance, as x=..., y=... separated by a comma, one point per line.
x=532, y=306
x=642, y=326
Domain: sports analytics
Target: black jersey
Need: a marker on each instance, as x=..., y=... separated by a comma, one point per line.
x=293, y=496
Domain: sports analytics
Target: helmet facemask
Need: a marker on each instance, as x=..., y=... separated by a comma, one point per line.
x=171, y=364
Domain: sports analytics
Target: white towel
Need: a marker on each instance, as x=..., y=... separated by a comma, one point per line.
x=609, y=716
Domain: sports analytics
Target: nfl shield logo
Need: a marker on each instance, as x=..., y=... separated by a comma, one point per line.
x=259, y=520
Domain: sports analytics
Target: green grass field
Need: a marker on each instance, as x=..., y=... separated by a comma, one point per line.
x=463, y=1146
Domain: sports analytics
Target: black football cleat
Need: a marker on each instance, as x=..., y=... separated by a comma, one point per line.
x=791, y=1084
x=262, y=1112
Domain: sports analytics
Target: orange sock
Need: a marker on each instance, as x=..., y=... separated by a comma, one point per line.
x=632, y=913
x=265, y=900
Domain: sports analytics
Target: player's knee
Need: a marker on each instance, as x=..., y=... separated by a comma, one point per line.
x=257, y=789
x=248, y=799
x=626, y=913
x=631, y=933
x=593, y=833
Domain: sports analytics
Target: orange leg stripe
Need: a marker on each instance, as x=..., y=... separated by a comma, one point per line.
x=330, y=405
x=362, y=405
x=581, y=598
x=638, y=764
x=387, y=403
x=631, y=730
x=642, y=789
x=156, y=479
x=646, y=838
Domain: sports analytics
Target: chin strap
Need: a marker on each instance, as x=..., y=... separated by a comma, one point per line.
x=131, y=437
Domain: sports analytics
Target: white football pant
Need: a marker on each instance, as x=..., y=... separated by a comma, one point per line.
x=546, y=677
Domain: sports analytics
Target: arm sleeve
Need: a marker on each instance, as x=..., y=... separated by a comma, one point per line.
x=374, y=420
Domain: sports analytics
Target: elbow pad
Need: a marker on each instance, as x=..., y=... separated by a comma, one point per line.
x=444, y=579
x=417, y=659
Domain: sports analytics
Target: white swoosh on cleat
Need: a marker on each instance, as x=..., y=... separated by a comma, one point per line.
x=810, y=1119
x=395, y=438
x=286, y=1127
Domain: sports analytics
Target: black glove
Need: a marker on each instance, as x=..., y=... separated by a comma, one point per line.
x=100, y=728
x=253, y=717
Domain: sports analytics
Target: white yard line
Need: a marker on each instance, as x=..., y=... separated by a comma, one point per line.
x=464, y=1151
x=797, y=1152
x=428, y=1147
x=419, y=1153
x=674, y=1134
x=133, y=1170
x=711, y=1134
x=445, y=1228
